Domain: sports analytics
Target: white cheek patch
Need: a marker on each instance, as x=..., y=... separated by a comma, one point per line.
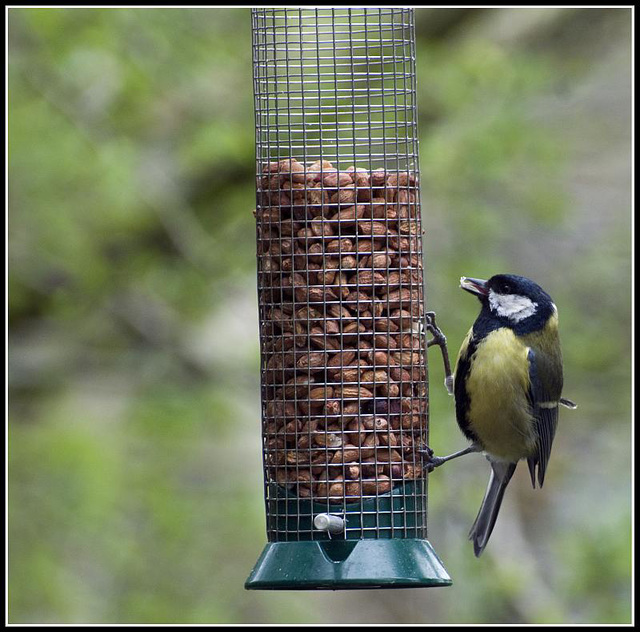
x=512, y=306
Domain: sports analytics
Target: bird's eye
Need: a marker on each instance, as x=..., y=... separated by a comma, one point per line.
x=504, y=288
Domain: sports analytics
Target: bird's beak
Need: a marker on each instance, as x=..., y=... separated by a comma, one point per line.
x=475, y=286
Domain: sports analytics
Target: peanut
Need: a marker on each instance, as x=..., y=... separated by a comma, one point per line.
x=344, y=392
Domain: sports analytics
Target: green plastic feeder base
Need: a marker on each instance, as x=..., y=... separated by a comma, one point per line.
x=348, y=564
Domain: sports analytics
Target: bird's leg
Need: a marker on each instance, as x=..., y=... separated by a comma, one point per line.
x=440, y=339
x=432, y=462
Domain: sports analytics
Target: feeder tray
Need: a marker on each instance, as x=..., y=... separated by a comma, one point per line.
x=341, y=302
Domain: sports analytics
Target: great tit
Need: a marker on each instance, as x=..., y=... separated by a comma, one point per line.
x=507, y=386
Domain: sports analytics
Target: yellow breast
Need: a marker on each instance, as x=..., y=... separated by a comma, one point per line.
x=497, y=385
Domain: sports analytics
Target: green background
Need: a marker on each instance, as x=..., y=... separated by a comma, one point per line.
x=134, y=443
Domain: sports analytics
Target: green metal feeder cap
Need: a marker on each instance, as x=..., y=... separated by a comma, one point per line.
x=348, y=564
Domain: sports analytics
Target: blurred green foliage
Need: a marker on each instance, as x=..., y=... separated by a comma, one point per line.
x=134, y=449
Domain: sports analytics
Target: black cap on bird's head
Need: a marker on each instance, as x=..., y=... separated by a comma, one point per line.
x=511, y=297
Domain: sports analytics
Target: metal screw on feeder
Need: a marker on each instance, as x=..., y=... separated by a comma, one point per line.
x=341, y=301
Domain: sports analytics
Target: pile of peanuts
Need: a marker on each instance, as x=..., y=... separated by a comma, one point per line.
x=341, y=310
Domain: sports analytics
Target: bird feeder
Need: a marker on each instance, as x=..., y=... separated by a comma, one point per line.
x=341, y=301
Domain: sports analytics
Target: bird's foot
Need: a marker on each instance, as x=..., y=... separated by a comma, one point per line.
x=439, y=339
x=430, y=461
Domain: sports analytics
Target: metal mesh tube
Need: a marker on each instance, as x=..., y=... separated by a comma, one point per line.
x=340, y=278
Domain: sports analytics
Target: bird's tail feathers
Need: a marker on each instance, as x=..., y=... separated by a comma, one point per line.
x=501, y=474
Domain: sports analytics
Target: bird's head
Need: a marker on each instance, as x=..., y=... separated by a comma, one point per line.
x=511, y=297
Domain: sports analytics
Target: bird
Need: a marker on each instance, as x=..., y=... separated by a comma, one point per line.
x=507, y=385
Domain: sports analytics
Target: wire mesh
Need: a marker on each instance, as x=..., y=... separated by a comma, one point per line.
x=340, y=278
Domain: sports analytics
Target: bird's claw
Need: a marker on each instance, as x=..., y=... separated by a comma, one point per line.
x=430, y=461
x=425, y=452
x=438, y=337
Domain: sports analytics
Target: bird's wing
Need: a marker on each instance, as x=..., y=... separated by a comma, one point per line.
x=461, y=373
x=544, y=405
